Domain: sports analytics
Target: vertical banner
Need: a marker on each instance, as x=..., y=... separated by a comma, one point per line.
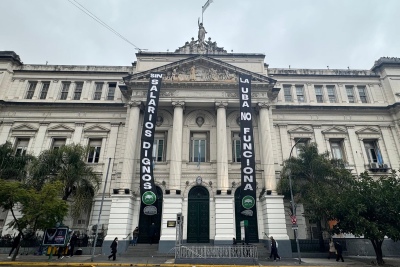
x=147, y=187
x=248, y=174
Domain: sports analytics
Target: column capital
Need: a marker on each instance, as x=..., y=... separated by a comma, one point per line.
x=176, y=104
x=79, y=124
x=384, y=126
x=221, y=104
x=115, y=124
x=262, y=105
x=9, y=123
x=281, y=125
x=44, y=123
x=133, y=103
x=316, y=126
x=350, y=126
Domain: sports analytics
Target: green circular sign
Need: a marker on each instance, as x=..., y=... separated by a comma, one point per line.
x=149, y=198
x=248, y=202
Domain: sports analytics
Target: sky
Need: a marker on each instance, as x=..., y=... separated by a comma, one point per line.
x=301, y=33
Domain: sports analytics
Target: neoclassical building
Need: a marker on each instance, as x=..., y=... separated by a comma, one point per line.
x=353, y=114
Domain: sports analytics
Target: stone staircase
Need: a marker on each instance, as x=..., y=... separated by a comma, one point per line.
x=145, y=250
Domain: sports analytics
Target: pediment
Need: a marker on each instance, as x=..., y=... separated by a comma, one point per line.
x=301, y=129
x=96, y=128
x=60, y=128
x=334, y=130
x=24, y=127
x=368, y=130
x=199, y=68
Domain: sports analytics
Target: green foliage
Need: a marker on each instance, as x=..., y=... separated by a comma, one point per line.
x=12, y=166
x=67, y=165
x=39, y=209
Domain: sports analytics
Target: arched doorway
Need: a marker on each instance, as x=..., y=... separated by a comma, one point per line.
x=145, y=220
x=198, y=221
x=252, y=230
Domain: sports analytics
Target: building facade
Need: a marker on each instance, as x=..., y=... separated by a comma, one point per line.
x=353, y=114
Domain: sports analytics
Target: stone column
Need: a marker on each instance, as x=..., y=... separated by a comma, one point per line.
x=40, y=138
x=76, y=139
x=175, y=170
x=390, y=146
x=5, y=131
x=132, y=132
x=356, y=150
x=267, y=155
x=222, y=150
x=111, y=146
x=319, y=139
x=284, y=141
x=396, y=141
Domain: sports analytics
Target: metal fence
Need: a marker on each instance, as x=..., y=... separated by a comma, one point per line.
x=207, y=252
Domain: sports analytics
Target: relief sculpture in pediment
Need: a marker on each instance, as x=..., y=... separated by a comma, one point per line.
x=200, y=74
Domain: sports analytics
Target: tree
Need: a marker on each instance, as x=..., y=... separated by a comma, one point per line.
x=39, y=209
x=12, y=166
x=67, y=164
x=370, y=208
x=315, y=178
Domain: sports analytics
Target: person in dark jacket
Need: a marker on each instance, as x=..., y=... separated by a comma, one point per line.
x=339, y=251
x=274, y=249
x=152, y=233
x=114, y=246
x=135, y=235
x=72, y=243
x=15, y=244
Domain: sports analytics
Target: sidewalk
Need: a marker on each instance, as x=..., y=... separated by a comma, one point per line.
x=168, y=261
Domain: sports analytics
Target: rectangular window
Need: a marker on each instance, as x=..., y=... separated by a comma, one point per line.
x=98, y=91
x=300, y=93
x=64, y=90
x=31, y=90
x=198, y=147
x=300, y=142
x=331, y=93
x=373, y=153
x=236, y=149
x=94, y=152
x=45, y=90
x=78, y=91
x=58, y=142
x=158, y=147
x=350, y=94
x=318, y=93
x=111, y=91
x=337, y=149
x=21, y=146
x=287, y=92
x=362, y=92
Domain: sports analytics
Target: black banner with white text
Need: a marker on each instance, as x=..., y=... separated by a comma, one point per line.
x=147, y=187
x=248, y=174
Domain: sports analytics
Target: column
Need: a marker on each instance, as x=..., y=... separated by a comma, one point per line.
x=40, y=138
x=309, y=96
x=294, y=93
x=396, y=141
x=132, y=132
x=5, y=131
x=390, y=146
x=267, y=155
x=76, y=139
x=284, y=141
x=111, y=146
x=356, y=149
x=222, y=150
x=175, y=169
x=319, y=139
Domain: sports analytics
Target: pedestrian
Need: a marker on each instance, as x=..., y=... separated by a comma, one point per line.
x=72, y=243
x=332, y=250
x=152, y=233
x=274, y=249
x=135, y=235
x=61, y=251
x=15, y=244
x=339, y=251
x=114, y=246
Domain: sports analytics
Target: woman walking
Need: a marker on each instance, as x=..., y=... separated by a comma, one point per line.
x=114, y=246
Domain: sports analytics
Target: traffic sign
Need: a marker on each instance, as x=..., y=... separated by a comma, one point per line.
x=295, y=227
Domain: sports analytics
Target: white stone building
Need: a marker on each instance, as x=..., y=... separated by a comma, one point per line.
x=354, y=114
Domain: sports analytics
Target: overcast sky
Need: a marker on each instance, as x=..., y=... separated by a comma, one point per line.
x=300, y=33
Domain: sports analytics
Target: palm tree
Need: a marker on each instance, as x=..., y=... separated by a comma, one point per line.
x=67, y=164
x=12, y=165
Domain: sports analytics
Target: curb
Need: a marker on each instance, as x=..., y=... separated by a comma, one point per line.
x=94, y=264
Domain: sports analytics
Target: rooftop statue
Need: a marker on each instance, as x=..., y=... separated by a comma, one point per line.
x=202, y=33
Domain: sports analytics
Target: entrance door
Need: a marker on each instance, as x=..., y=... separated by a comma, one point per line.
x=252, y=230
x=198, y=222
x=145, y=220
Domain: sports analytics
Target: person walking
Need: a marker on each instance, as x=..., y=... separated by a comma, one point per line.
x=72, y=243
x=114, y=246
x=332, y=250
x=339, y=251
x=135, y=235
x=274, y=249
x=15, y=244
x=152, y=233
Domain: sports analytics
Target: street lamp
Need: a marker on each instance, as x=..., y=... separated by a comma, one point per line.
x=294, y=220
